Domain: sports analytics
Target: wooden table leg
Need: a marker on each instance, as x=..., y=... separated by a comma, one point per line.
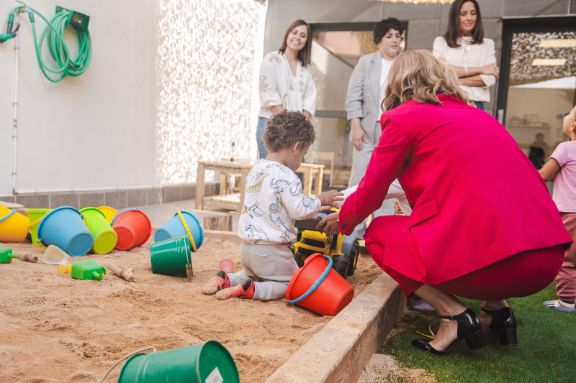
x=223, y=184
x=319, y=179
x=200, y=172
x=307, y=180
x=242, y=187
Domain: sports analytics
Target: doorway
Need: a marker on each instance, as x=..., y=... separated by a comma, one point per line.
x=538, y=82
x=336, y=48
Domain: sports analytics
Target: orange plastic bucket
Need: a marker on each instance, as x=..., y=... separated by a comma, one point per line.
x=318, y=287
x=13, y=225
x=133, y=228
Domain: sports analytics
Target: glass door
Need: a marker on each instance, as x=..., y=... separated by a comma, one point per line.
x=539, y=82
x=336, y=48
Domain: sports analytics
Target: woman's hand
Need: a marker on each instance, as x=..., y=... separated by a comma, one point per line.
x=329, y=224
x=330, y=197
x=357, y=133
x=491, y=69
x=277, y=109
x=307, y=114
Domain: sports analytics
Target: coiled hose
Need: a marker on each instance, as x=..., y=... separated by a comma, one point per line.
x=57, y=46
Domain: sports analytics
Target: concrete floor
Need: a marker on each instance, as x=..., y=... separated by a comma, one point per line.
x=161, y=213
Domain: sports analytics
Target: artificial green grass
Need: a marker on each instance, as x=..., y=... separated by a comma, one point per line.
x=546, y=351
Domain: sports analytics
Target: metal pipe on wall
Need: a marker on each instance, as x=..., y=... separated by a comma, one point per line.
x=15, y=108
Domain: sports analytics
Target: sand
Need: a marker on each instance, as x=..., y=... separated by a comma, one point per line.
x=56, y=329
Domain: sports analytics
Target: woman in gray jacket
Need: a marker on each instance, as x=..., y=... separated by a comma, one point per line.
x=366, y=92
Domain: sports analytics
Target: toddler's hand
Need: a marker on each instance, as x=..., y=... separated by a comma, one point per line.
x=330, y=197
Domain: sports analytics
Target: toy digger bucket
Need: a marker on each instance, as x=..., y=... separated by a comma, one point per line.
x=318, y=287
x=13, y=225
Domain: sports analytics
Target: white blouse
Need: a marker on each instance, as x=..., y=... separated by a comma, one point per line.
x=466, y=56
x=279, y=87
x=386, y=64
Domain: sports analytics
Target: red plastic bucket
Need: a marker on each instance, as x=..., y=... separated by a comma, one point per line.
x=133, y=228
x=318, y=287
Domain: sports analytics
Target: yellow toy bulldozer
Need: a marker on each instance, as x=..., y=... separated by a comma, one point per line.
x=343, y=249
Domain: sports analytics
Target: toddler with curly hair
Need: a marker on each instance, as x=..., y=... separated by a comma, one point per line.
x=273, y=202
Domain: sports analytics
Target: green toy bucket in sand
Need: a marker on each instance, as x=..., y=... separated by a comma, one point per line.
x=35, y=216
x=105, y=237
x=171, y=257
x=13, y=225
x=200, y=363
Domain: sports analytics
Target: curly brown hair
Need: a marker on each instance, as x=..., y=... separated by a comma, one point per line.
x=287, y=128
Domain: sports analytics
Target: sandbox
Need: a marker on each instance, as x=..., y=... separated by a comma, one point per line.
x=55, y=329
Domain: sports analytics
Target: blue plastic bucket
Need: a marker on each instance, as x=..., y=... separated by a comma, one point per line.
x=64, y=227
x=174, y=228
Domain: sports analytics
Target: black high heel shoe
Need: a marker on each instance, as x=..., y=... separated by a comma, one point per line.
x=469, y=328
x=504, y=325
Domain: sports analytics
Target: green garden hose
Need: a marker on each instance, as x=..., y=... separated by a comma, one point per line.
x=54, y=35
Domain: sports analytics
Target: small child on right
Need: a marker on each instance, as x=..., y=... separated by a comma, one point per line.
x=561, y=168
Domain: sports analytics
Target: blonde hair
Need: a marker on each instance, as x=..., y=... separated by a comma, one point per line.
x=417, y=75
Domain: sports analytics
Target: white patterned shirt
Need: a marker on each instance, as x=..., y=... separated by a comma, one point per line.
x=272, y=202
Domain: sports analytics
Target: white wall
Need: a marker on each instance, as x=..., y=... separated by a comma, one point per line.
x=92, y=132
x=207, y=76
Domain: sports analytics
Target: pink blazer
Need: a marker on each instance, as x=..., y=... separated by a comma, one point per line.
x=476, y=197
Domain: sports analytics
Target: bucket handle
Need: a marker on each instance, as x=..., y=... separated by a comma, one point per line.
x=190, y=236
x=315, y=285
x=140, y=351
x=189, y=269
x=12, y=212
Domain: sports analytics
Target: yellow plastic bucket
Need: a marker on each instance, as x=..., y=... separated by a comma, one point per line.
x=13, y=225
x=35, y=216
x=109, y=212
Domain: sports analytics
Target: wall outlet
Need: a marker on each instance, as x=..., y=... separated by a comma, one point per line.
x=79, y=21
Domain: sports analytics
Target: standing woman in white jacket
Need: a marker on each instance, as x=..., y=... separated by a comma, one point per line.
x=285, y=80
x=465, y=49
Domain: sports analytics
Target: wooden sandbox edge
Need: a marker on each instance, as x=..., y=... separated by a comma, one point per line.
x=341, y=349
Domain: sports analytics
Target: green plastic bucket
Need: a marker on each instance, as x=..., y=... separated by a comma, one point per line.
x=200, y=363
x=35, y=216
x=170, y=257
x=105, y=237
